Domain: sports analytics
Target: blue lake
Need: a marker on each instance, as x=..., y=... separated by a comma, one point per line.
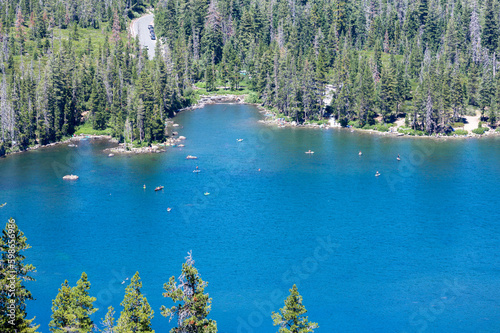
x=416, y=249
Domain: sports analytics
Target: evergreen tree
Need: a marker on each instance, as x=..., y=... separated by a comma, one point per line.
x=192, y=304
x=457, y=95
x=486, y=91
x=136, y=314
x=291, y=317
x=108, y=322
x=490, y=33
x=388, y=93
x=365, y=95
x=73, y=307
x=97, y=105
x=13, y=274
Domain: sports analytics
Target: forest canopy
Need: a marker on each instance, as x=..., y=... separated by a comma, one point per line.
x=68, y=63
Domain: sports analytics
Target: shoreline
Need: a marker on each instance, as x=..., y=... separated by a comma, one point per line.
x=272, y=120
x=77, y=138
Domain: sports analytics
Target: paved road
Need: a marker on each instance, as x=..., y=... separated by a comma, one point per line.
x=140, y=28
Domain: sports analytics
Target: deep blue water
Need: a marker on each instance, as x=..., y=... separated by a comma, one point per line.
x=414, y=250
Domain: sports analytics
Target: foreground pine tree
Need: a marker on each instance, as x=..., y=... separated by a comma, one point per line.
x=108, y=321
x=290, y=318
x=13, y=273
x=192, y=304
x=137, y=314
x=72, y=308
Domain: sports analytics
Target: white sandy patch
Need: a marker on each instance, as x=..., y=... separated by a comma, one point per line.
x=472, y=123
x=400, y=122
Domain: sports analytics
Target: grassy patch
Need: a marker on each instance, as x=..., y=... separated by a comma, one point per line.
x=459, y=124
x=86, y=128
x=409, y=131
x=78, y=44
x=458, y=132
x=318, y=122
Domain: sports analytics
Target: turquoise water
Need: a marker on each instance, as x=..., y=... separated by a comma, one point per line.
x=413, y=250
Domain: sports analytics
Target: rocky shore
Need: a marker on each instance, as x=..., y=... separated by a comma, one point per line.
x=216, y=99
x=69, y=141
x=153, y=149
x=272, y=120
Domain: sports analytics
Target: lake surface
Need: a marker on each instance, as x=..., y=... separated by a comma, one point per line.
x=414, y=250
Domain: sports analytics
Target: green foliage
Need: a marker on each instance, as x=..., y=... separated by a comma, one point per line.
x=291, y=317
x=480, y=130
x=252, y=98
x=459, y=132
x=192, y=305
x=457, y=124
x=86, y=128
x=109, y=321
x=410, y=131
x=13, y=276
x=137, y=313
x=73, y=307
x=355, y=124
x=317, y=122
x=378, y=127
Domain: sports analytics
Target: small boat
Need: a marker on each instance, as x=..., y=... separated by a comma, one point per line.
x=398, y=158
x=144, y=187
x=70, y=177
x=196, y=171
x=181, y=145
x=239, y=140
x=169, y=209
x=309, y=152
x=72, y=145
x=111, y=155
x=159, y=188
x=3, y=205
x=207, y=193
x=360, y=153
x=190, y=157
x=377, y=174
x=175, y=125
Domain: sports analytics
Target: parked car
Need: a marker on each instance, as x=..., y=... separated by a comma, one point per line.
x=150, y=27
x=153, y=37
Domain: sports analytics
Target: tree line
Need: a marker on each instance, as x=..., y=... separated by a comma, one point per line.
x=426, y=60
x=54, y=78
x=73, y=307
x=429, y=61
